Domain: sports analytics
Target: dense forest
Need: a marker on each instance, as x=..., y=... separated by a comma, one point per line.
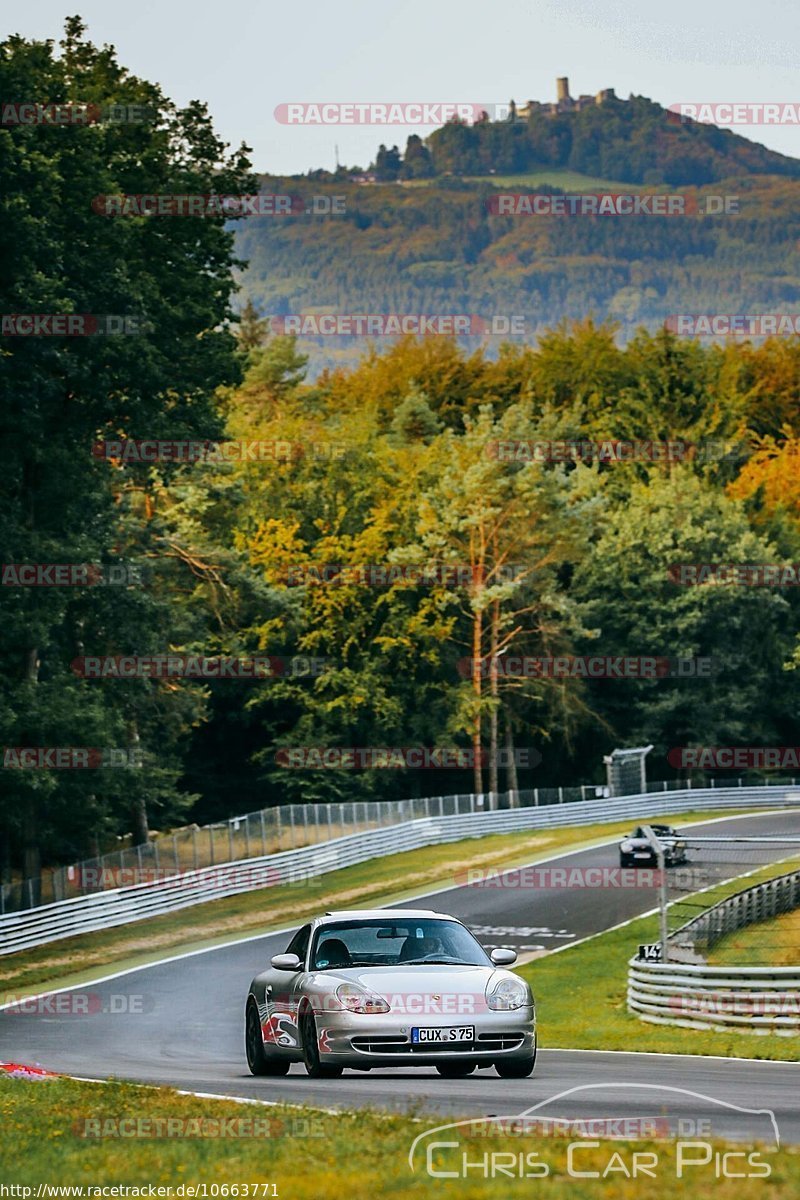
x=393, y=462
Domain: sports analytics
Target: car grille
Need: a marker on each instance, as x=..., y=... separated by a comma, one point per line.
x=380, y=1045
x=387, y=1044
x=499, y=1041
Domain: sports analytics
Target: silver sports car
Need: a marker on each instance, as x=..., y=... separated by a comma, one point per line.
x=389, y=988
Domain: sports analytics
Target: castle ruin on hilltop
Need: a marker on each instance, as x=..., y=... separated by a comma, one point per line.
x=564, y=102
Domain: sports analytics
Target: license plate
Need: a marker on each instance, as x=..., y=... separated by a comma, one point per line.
x=645, y=855
x=455, y=1033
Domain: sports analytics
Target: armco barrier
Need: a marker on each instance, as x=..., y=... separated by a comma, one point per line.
x=750, y=999
x=84, y=914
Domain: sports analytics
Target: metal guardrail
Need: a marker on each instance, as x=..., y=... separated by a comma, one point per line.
x=119, y=906
x=752, y=999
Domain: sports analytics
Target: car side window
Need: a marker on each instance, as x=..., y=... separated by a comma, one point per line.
x=299, y=943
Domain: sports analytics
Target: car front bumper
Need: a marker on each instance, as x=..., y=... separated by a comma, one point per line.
x=377, y=1040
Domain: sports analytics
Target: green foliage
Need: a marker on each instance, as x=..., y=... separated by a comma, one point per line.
x=58, y=504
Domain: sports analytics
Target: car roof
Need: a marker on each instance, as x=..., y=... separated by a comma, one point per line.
x=382, y=914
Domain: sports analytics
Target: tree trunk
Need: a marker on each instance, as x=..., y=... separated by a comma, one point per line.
x=493, y=776
x=31, y=850
x=477, y=645
x=513, y=783
x=141, y=829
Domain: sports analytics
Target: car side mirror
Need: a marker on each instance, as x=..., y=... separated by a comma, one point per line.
x=286, y=962
x=503, y=956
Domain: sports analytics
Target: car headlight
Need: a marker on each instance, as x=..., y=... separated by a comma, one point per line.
x=359, y=1000
x=507, y=994
x=626, y=847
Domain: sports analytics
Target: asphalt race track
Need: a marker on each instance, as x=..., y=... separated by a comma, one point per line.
x=180, y=1022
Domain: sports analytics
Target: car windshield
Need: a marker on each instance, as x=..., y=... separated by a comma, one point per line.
x=388, y=943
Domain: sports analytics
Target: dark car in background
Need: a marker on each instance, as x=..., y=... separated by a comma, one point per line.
x=635, y=850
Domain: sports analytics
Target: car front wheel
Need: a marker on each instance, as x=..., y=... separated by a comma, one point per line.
x=517, y=1068
x=259, y=1062
x=455, y=1070
x=314, y=1066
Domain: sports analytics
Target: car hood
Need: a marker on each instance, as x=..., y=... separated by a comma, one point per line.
x=434, y=990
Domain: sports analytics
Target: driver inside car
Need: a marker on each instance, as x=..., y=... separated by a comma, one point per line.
x=420, y=947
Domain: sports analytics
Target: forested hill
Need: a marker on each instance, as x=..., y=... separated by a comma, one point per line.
x=437, y=247
x=635, y=141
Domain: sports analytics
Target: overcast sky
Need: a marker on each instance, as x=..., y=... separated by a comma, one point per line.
x=246, y=58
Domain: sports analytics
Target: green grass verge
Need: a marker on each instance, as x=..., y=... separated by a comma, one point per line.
x=79, y=959
x=309, y=1154
x=581, y=998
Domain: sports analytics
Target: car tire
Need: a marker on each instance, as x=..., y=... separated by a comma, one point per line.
x=455, y=1070
x=517, y=1068
x=308, y=1038
x=625, y=861
x=259, y=1062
